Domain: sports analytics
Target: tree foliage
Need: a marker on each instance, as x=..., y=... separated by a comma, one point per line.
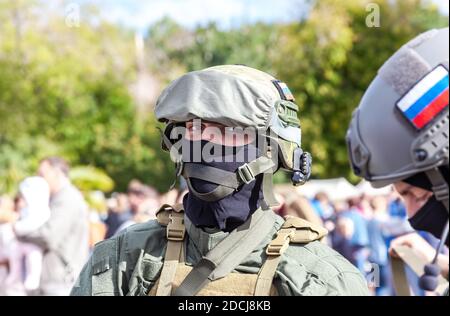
x=66, y=90
x=333, y=57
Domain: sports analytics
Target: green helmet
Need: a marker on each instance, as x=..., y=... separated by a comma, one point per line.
x=400, y=128
x=239, y=96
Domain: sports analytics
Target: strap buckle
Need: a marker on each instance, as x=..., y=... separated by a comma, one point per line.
x=441, y=192
x=279, y=245
x=246, y=174
x=179, y=168
x=175, y=229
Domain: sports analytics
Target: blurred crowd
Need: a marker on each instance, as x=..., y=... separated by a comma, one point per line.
x=364, y=230
x=48, y=229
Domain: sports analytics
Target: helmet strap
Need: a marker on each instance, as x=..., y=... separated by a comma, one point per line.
x=267, y=185
x=439, y=186
x=429, y=280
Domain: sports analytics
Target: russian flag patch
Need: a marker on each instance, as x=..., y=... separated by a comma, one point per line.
x=426, y=99
x=284, y=90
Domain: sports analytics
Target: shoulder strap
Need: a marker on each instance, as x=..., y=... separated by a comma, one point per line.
x=295, y=230
x=228, y=254
x=399, y=278
x=273, y=252
x=409, y=257
x=173, y=218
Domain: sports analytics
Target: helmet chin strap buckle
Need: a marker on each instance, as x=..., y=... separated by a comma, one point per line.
x=246, y=174
x=301, y=167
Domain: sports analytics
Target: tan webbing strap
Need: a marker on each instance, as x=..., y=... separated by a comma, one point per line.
x=228, y=254
x=417, y=264
x=399, y=277
x=175, y=236
x=274, y=251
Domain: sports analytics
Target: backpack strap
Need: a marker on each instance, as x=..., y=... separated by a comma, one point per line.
x=273, y=252
x=294, y=230
x=173, y=218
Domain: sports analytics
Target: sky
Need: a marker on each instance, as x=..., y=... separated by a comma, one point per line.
x=139, y=14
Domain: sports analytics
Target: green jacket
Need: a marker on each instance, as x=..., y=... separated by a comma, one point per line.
x=131, y=263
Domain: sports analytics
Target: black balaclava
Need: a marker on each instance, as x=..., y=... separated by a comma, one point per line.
x=433, y=216
x=233, y=210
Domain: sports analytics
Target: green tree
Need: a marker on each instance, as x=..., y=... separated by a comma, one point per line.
x=65, y=91
x=251, y=45
x=330, y=59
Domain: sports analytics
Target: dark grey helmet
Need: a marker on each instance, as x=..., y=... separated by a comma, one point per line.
x=401, y=125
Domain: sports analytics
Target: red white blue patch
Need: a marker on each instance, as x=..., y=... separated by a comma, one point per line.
x=284, y=90
x=427, y=99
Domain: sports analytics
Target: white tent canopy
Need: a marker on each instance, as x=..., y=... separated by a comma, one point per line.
x=340, y=189
x=366, y=188
x=336, y=189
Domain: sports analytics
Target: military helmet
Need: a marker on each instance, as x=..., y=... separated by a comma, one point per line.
x=239, y=96
x=400, y=128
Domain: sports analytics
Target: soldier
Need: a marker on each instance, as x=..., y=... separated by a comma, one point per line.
x=228, y=128
x=399, y=135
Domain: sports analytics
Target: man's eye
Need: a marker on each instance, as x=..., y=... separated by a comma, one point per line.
x=194, y=128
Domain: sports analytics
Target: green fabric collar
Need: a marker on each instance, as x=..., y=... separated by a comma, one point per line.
x=203, y=241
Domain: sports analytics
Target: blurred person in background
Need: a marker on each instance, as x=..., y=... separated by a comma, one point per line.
x=7, y=217
x=118, y=213
x=25, y=259
x=351, y=237
x=34, y=211
x=97, y=228
x=301, y=207
x=64, y=238
x=171, y=197
x=138, y=194
x=144, y=202
x=361, y=205
x=281, y=208
x=396, y=206
x=377, y=243
x=7, y=209
x=32, y=205
x=341, y=231
x=322, y=206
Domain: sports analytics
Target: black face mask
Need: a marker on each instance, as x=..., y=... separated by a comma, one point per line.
x=432, y=217
x=233, y=210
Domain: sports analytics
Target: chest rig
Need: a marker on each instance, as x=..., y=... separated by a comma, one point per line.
x=179, y=279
